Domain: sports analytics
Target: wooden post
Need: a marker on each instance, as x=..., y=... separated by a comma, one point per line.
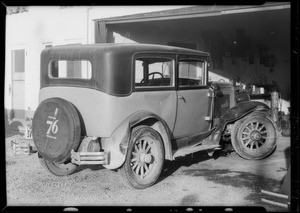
x=100, y=32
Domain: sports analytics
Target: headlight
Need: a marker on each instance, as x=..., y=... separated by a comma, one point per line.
x=241, y=97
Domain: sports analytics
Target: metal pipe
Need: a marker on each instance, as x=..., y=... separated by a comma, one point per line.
x=275, y=194
x=274, y=106
x=275, y=203
x=93, y=158
x=92, y=153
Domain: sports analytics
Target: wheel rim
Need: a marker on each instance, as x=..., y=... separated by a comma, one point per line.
x=143, y=157
x=254, y=136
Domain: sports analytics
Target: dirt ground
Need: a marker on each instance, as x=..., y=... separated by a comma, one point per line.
x=193, y=180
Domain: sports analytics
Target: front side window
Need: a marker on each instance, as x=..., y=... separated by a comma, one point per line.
x=154, y=72
x=191, y=73
x=80, y=69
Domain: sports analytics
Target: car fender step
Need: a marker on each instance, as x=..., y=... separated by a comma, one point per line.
x=193, y=149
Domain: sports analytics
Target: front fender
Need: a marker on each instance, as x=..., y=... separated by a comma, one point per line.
x=117, y=144
x=240, y=110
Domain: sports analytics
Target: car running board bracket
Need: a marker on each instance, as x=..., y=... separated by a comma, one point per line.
x=90, y=158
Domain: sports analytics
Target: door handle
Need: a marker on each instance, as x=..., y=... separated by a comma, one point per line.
x=181, y=97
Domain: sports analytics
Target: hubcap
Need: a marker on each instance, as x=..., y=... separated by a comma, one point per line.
x=254, y=135
x=143, y=157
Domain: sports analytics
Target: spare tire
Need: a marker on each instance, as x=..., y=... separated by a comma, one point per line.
x=56, y=129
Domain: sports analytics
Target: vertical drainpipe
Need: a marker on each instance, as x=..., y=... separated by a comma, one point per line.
x=87, y=23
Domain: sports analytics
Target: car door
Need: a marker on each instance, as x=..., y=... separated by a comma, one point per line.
x=193, y=97
x=154, y=86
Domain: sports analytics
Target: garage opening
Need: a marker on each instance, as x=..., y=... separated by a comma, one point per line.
x=249, y=46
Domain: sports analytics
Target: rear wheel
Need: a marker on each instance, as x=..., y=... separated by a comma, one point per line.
x=58, y=169
x=254, y=137
x=144, y=160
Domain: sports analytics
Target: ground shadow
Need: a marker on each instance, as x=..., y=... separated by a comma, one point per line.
x=189, y=200
x=238, y=179
x=91, y=167
x=13, y=128
x=286, y=180
x=172, y=166
x=287, y=155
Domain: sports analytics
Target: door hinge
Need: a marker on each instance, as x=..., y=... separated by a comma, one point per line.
x=211, y=94
x=208, y=118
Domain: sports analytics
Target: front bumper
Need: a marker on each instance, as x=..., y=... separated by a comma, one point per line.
x=90, y=158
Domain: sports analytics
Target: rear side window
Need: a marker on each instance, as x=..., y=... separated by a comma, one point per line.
x=154, y=72
x=79, y=69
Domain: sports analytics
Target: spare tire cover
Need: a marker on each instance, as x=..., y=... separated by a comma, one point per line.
x=56, y=129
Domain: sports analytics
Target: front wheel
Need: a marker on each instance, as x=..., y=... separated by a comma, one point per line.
x=254, y=137
x=144, y=159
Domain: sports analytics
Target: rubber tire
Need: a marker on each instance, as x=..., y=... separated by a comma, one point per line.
x=129, y=178
x=266, y=149
x=53, y=168
x=68, y=133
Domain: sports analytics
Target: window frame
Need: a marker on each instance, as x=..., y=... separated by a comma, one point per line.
x=69, y=78
x=17, y=75
x=204, y=78
x=159, y=56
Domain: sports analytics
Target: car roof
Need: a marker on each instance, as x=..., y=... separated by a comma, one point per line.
x=112, y=64
x=129, y=48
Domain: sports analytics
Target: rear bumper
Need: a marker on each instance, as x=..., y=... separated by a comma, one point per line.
x=90, y=158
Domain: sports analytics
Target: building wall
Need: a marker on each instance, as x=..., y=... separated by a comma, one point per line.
x=104, y=12
x=32, y=30
x=53, y=25
x=40, y=26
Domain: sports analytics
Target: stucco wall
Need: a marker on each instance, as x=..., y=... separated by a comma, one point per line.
x=30, y=31
x=56, y=25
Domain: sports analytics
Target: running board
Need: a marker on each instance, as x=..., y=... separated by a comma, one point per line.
x=193, y=149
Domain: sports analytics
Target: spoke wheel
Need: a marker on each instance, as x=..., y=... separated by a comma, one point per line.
x=144, y=158
x=254, y=137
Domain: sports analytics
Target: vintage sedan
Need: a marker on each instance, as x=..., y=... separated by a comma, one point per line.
x=133, y=106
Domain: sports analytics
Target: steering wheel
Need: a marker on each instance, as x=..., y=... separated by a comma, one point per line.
x=153, y=73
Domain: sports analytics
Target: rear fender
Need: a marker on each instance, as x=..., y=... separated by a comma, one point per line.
x=240, y=110
x=117, y=144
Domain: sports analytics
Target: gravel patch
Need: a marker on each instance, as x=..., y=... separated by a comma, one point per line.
x=190, y=181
